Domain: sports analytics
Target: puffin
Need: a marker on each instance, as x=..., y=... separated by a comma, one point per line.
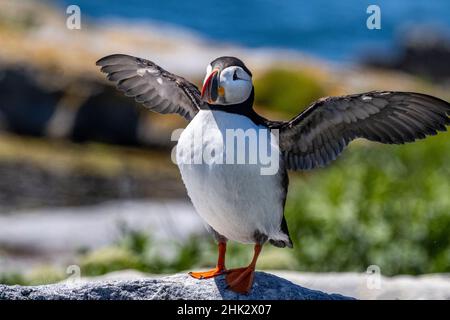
x=237, y=200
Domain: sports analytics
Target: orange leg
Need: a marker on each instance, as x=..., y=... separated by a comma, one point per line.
x=241, y=280
x=218, y=270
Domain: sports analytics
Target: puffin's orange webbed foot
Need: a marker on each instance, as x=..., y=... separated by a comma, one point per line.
x=218, y=270
x=240, y=280
x=208, y=274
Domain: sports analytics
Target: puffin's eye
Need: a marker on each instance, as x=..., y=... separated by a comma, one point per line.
x=235, y=76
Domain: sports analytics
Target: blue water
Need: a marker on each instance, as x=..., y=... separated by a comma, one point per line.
x=330, y=29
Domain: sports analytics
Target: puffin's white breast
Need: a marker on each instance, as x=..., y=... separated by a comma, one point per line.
x=234, y=199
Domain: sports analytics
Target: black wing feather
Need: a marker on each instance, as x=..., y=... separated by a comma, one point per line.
x=318, y=135
x=151, y=85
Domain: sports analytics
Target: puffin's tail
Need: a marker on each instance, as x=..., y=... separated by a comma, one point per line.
x=284, y=239
x=281, y=243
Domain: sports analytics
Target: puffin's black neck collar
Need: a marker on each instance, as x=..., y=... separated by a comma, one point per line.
x=244, y=108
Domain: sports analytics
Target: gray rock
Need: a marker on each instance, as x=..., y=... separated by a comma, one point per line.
x=179, y=286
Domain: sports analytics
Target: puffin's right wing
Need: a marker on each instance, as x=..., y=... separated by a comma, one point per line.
x=319, y=134
x=151, y=85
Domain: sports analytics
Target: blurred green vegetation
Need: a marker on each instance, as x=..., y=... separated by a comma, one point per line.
x=382, y=205
x=136, y=250
x=44, y=274
x=12, y=278
x=287, y=91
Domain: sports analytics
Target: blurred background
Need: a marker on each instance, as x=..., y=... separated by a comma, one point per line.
x=86, y=176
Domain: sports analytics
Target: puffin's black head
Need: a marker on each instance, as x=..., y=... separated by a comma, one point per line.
x=228, y=82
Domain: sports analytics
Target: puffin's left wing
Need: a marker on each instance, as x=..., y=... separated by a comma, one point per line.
x=151, y=85
x=319, y=134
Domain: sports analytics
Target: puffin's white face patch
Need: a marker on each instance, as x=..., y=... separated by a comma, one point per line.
x=237, y=85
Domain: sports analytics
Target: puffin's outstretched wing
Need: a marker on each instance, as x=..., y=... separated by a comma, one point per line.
x=151, y=85
x=319, y=134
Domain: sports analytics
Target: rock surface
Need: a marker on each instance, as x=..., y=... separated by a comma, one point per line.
x=179, y=286
x=367, y=286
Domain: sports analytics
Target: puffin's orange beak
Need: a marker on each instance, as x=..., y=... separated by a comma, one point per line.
x=210, y=89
